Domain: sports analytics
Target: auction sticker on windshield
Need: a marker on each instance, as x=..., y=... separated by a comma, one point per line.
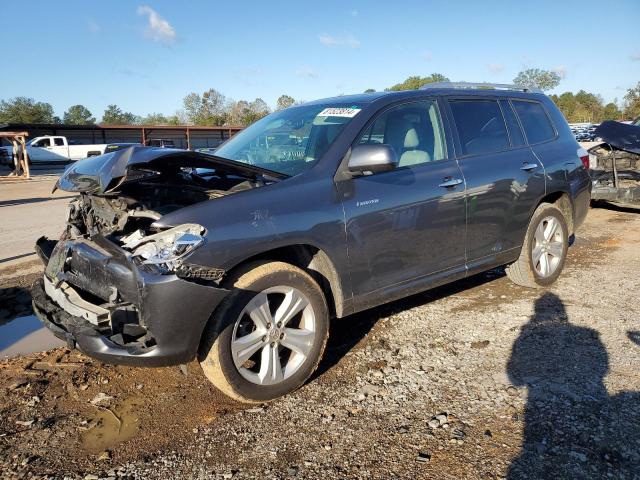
x=348, y=112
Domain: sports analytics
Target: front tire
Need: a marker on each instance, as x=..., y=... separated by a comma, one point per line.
x=544, y=250
x=268, y=336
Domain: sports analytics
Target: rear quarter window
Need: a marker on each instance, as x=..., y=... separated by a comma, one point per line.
x=537, y=125
x=480, y=125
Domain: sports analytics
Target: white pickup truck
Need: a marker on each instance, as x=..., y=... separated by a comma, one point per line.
x=57, y=149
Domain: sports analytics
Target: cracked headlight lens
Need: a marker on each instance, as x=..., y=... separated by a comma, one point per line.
x=165, y=249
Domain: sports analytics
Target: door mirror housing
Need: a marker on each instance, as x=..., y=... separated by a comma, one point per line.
x=367, y=159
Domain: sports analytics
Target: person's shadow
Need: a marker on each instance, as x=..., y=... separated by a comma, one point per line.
x=572, y=427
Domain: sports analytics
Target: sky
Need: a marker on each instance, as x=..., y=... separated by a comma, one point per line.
x=146, y=56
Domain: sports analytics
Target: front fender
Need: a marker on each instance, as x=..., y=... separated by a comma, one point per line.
x=246, y=224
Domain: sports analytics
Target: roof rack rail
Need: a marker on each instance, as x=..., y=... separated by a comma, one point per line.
x=480, y=86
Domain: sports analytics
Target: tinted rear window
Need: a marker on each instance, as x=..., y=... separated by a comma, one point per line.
x=536, y=123
x=517, y=139
x=480, y=126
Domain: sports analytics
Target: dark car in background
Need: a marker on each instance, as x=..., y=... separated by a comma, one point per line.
x=113, y=147
x=5, y=158
x=321, y=210
x=160, y=143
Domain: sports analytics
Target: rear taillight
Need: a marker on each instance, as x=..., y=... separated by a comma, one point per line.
x=584, y=157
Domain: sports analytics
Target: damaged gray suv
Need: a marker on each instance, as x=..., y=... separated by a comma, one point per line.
x=240, y=258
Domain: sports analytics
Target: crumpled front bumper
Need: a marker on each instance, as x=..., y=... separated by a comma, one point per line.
x=98, y=296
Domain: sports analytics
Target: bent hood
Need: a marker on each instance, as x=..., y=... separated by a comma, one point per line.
x=105, y=173
x=620, y=135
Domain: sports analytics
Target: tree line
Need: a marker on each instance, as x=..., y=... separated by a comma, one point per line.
x=209, y=108
x=576, y=107
x=212, y=108
x=583, y=106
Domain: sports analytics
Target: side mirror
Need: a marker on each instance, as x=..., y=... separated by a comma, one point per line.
x=372, y=159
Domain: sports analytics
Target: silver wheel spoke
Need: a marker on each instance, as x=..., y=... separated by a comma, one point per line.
x=536, y=254
x=555, y=250
x=298, y=340
x=539, y=235
x=552, y=226
x=259, y=312
x=292, y=304
x=270, y=367
x=244, y=347
x=544, y=264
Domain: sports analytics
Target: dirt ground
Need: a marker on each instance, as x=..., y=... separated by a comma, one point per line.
x=477, y=379
x=33, y=201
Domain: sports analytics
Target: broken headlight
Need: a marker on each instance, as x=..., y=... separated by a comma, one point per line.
x=166, y=249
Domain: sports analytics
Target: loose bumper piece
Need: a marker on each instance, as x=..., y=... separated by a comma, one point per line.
x=71, y=302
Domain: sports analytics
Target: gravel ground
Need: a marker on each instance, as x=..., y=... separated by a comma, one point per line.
x=478, y=379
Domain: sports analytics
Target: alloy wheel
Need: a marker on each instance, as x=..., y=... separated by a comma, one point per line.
x=548, y=247
x=273, y=335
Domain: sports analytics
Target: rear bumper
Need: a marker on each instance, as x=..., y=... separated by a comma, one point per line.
x=622, y=195
x=96, y=299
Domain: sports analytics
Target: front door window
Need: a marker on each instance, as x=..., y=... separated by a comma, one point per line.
x=413, y=130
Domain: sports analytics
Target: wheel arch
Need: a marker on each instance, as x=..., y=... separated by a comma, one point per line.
x=562, y=200
x=314, y=261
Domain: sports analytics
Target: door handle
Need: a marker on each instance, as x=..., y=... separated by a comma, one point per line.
x=451, y=182
x=527, y=167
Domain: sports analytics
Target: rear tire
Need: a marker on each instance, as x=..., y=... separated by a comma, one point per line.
x=544, y=250
x=268, y=336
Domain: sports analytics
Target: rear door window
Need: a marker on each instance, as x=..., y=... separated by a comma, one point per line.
x=480, y=126
x=536, y=123
x=59, y=142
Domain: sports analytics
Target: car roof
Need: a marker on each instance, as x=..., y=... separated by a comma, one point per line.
x=366, y=98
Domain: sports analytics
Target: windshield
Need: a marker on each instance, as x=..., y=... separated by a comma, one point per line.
x=291, y=140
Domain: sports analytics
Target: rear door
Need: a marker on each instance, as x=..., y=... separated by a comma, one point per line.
x=407, y=223
x=59, y=150
x=504, y=178
x=541, y=135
